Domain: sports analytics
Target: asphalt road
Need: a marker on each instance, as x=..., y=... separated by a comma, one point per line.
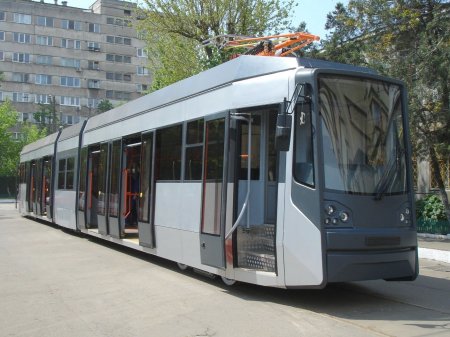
x=54, y=283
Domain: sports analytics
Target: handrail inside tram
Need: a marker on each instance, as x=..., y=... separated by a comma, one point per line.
x=245, y=206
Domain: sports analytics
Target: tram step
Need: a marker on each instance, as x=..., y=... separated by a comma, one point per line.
x=257, y=261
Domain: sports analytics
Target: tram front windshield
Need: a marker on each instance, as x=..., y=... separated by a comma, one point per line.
x=363, y=139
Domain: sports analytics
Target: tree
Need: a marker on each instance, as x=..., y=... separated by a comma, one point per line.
x=104, y=105
x=176, y=29
x=408, y=40
x=9, y=148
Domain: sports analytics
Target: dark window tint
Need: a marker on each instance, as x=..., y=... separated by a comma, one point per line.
x=61, y=174
x=146, y=183
x=168, y=153
x=215, y=133
x=194, y=150
x=304, y=160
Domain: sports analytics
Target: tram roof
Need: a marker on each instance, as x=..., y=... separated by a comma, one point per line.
x=40, y=143
x=71, y=131
x=238, y=69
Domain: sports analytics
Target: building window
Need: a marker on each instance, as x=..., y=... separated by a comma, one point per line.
x=22, y=18
x=2, y=36
x=127, y=59
x=70, y=44
x=141, y=52
x=93, y=84
x=127, y=12
x=70, y=101
x=127, y=77
x=44, y=40
x=118, y=40
x=42, y=99
x=20, y=77
x=26, y=117
x=43, y=59
x=1, y=56
x=22, y=38
x=93, y=65
x=43, y=79
x=118, y=22
x=20, y=97
x=141, y=71
x=21, y=57
x=92, y=103
x=94, y=46
x=141, y=87
x=71, y=24
x=2, y=16
x=44, y=21
x=68, y=119
x=94, y=28
x=66, y=169
x=65, y=62
x=70, y=81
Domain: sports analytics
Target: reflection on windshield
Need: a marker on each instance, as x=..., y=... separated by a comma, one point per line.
x=362, y=135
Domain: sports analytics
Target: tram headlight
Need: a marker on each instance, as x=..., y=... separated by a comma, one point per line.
x=407, y=211
x=329, y=209
x=402, y=217
x=343, y=216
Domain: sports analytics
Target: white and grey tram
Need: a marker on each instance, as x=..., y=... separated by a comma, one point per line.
x=281, y=172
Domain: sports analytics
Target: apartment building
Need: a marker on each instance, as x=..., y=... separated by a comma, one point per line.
x=69, y=58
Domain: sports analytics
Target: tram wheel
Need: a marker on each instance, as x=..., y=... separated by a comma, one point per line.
x=182, y=266
x=229, y=282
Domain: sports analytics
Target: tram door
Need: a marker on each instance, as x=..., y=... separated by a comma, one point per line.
x=114, y=189
x=92, y=188
x=212, y=232
x=102, y=192
x=47, y=187
x=136, y=199
x=39, y=188
x=32, y=190
x=256, y=169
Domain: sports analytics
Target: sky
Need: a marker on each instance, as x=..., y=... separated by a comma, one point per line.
x=313, y=12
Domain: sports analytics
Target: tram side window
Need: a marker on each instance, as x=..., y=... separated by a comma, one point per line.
x=256, y=148
x=194, y=150
x=66, y=168
x=168, y=153
x=304, y=156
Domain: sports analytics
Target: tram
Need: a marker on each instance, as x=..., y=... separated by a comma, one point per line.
x=283, y=172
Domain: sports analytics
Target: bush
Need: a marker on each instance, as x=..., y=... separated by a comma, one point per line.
x=431, y=217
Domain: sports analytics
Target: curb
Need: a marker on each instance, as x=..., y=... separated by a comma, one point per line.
x=434, y=236
x=434, y=254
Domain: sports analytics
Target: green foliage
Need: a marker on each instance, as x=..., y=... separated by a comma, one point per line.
x=175, y=31
x=9, y=148
x=104, y=105
x=430, y=208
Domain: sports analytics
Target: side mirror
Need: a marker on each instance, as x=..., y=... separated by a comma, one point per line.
x=283, y=129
